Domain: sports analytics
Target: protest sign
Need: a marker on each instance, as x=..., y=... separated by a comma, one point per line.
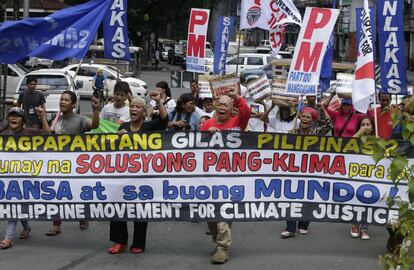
x=204, y=86
x=303, y=78
x=196, y=40
x=344, y=84
x=334, y=104
x=224, y=32
x=226, y=176
x=65, y=33
x=391, y=46
x=115, y=28
x=279, y=93
x=222, y=85
x=260, y=88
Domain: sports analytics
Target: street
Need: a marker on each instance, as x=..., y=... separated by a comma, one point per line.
x=184, y=245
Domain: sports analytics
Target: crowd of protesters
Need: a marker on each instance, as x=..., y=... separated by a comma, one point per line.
x=233, y=111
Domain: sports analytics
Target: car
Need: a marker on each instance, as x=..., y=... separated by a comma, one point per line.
x=255, y=73
x=164, y=53
x=209, y=61
x=15, y=73
x=52, y=83
x=265, y=43
x=85, y=75
x=247, y=61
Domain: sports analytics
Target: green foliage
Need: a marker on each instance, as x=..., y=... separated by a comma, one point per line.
x=400, y=170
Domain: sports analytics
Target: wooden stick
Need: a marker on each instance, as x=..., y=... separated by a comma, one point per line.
x=238, y=54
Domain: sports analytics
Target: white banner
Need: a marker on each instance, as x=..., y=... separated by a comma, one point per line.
x=196, y=40
x=303, y=78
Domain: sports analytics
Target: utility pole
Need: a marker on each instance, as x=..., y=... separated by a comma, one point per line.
x=26, y=7
x=3, y=69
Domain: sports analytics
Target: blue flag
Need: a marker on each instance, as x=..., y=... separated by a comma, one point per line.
x=65, y=33
x=391, y=46
x=116, y=43
x=224, y=31
x=326, y=71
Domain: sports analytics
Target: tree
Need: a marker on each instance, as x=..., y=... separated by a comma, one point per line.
x=400, y=170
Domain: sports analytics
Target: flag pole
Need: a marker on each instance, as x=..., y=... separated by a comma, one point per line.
x=76, y=72
x=375, y=113
x=238, y=54
x=297, y=114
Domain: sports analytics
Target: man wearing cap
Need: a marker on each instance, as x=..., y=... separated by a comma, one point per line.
x=345, y=120
x=29, y=100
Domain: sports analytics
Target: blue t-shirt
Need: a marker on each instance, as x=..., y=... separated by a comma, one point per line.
x=99, y=79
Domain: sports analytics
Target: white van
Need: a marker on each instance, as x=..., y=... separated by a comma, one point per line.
x=15, y=73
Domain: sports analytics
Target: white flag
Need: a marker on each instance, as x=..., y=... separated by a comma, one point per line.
x=268, y=14
x=364, y=83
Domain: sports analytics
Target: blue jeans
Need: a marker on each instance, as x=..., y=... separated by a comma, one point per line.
x=11, y=228
x=291, y=225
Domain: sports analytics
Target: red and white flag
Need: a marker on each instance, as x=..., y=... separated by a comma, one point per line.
x=272, y=15
x=364, y=83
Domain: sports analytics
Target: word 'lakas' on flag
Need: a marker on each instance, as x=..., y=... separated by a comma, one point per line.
x=115, y=23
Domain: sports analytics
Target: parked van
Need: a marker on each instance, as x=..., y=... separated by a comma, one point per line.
x=15, y=73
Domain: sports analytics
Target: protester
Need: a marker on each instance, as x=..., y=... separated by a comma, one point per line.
x=345, y=121
x=184, y=116
x=117, y=111
x=195, y=91
x=29, y=100
x=384, y=119
x=208, y=107
x=202, y=120
x=366, y=127
x=70, y=122
x=308, y=117
x=119, y=229
x=224, y=120
x=166, y=99
x=280, y=117
x=16, y=119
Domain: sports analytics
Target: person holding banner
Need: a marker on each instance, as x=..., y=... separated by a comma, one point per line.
x=16, y=119
x=366, y=127
x=118, y=230
x=221, y=231
x=70, y=122
x=308, y=120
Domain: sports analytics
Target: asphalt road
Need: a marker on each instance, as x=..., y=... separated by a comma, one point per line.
x=184, y=245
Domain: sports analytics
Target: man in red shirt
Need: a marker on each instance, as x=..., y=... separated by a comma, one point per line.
x=384, y=120
x=224, y=120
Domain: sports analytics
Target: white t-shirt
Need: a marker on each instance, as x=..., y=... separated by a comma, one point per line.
x=109, y=112
x=169, y=106
x=278, y=126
